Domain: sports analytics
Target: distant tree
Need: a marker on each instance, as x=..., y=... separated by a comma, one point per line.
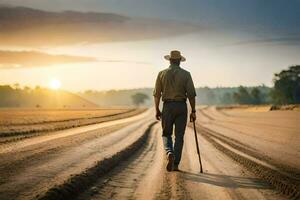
x=89, y=92
x=37, y=87
x=256, y=96
x=207, y=96
x=17, y=86
x=139, y=98
x=27, y=89
x=211, y=96
x=242, y=96
x=287, y=86
x=226, y=98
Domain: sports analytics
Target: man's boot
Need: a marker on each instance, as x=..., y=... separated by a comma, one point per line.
x=170, y=164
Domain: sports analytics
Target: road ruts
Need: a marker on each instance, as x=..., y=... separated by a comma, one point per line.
x=52, y=160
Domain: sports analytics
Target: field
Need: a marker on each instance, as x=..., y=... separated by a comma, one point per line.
x=20, y=123
x=247, y=153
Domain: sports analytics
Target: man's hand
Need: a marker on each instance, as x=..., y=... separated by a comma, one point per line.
x=158, y=115
x=193, y=117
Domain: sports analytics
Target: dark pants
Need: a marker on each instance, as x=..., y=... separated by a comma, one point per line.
x=174, y=113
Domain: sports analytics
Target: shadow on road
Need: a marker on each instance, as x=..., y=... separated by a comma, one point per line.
x=226, y=181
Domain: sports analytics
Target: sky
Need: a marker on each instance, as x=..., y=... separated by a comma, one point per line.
x=239, y=43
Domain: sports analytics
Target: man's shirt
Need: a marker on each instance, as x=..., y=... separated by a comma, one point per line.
x=174, y=84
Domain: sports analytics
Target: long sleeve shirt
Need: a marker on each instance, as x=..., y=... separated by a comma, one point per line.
x=174, y=84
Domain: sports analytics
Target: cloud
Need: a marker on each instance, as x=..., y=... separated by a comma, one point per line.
x=124, y=61
x=44, y=28
x=270, y=15
x=282, y=40
x=29, y=59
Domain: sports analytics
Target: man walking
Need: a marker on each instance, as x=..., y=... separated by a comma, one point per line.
x=174, y=85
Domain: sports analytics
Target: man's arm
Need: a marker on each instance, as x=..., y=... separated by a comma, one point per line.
x=157, y=94
x=158, y=113
x=192, y=101
x=191, y=94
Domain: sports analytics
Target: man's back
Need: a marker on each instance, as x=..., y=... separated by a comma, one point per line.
x=174, y=83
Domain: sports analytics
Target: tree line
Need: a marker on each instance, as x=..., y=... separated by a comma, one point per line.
x=286, y=90
x=38, y=97
x=234, y=95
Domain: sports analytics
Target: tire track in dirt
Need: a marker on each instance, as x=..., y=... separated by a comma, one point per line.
x=265, y=156
x=129, y=179
x=23, y=131
x=220, y=117
x=79, y=183
x=14, y=162
x=141, y=176
x=173, y=187
x=222, y=178
x=75, y=118
x=286, y=184
x=39, y=176
x=17, y=145
x=285, y=169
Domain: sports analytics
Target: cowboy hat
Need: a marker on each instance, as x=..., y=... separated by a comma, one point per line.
x=174, y=55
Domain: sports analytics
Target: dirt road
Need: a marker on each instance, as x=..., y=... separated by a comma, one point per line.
x=143, y=176
x=125, y=160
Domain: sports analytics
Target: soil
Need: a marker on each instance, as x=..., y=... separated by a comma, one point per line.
x=125, y=159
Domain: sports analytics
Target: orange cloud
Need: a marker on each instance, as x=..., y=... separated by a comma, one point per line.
x=23, y=59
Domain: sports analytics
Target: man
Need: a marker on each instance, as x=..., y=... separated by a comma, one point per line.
x=174, y=85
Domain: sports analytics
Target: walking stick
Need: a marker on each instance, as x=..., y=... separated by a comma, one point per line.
x=197, y=145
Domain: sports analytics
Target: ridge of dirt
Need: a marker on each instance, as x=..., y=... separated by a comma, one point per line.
x=39, y=175
x=41, y=152
x=66, y=133
x=80, y=182
x=284, y=184
x=21, y=132
x=293, y=172
x=134, y=177
x=177, y=190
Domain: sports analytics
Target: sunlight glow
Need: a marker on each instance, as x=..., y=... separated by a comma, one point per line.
x=55, y=84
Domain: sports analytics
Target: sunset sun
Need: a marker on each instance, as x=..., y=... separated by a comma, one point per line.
x=55, y=84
